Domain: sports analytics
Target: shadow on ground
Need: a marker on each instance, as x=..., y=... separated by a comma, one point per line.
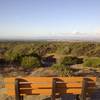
x=96, y=95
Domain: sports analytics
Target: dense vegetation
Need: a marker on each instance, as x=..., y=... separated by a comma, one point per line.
x=92, y=62
x=45, y=53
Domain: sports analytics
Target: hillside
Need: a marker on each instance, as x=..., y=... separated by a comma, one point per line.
x=36, y=54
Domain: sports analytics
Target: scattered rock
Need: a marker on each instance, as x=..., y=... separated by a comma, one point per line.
x=16, y=73
x=78, y=72
x=43, y=72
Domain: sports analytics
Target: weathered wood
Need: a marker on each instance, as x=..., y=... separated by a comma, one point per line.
x=53, y=97
x=83, y=94
x=17, y=90
x=47, y=85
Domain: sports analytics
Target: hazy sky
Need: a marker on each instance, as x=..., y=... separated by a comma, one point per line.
x=29, y=18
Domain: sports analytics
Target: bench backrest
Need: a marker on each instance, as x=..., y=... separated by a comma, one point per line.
x=49, y=85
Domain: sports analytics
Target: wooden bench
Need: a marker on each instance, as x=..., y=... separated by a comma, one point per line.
x=51, y=86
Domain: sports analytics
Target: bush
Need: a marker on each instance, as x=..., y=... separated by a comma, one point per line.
x=82, y=48
x=30, y=62
x=62, y=70
x=67, y=50
x=68, y=60
x=11, y=56
x=92, y=62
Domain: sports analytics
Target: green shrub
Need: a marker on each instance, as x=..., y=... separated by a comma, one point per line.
x=30, y=62
x=69, y=60
x=92, y=62
x=11, y=56
x=62, y=70
x=67, y=50
x=82, y=48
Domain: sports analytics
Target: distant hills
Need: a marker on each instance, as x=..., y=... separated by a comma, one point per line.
x=58, y=37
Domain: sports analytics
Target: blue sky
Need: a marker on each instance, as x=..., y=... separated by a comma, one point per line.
x=30, y=18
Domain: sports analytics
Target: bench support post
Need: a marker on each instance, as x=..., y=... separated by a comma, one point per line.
x=17, y=91
x=53, y=90
x=83, y=95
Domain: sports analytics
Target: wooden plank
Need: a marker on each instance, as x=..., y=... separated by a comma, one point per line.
x=49, y=85
x=9, y=80
x=69, y=91
x=49, y=91
x=69, y=79
x=43, y=86
x=45, y=91
x=69, y=85
x=46, y=79
x=49, y=79
x=10, y=86
x=10, y=92
x=37, y=91
x=36, y=79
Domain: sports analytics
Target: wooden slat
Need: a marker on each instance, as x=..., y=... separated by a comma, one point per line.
x=76, y=85
x=10, y=92
x=69, y=91
x=49, y=91
x=10, y=86
x=41, y=86
x=69, y=85
x=49, y=79
x=36, y=79
x=69, y=79
x=9, y=80
x=37, y=91
x=36, y=85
